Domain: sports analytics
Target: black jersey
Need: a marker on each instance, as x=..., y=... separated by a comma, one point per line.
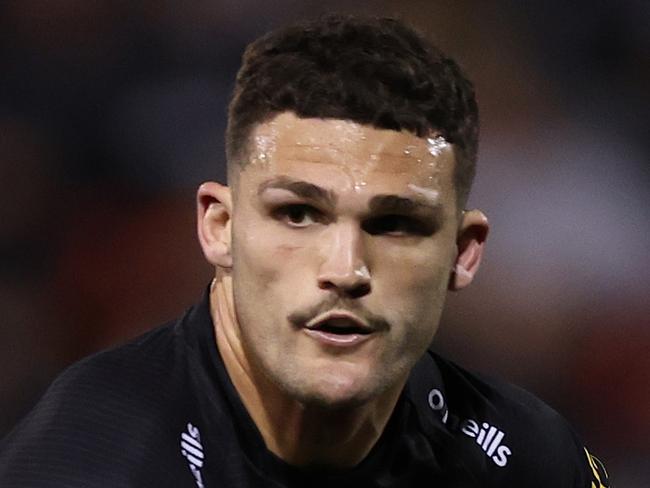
x=161, y=411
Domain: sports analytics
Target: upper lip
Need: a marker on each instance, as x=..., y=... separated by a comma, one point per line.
x=339, y=319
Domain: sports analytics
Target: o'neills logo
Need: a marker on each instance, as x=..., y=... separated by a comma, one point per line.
x=489, y=438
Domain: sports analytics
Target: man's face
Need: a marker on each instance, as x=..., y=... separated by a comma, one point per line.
x=343, y=240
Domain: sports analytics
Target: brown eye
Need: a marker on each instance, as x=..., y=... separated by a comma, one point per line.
x=297, y=215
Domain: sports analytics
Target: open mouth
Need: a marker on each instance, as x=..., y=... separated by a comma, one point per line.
x=341, y=326
x=339, y=330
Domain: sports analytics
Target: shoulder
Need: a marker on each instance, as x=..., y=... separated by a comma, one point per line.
x=99, y=416
x=136, y=374
x=508, y=435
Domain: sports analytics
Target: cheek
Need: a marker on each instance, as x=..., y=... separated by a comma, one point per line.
x=417, y=268
x=263, y=255
x=413, y=282
x=251, y=249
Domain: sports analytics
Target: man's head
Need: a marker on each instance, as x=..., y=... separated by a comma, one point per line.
x=345, y=231
x=376, y=72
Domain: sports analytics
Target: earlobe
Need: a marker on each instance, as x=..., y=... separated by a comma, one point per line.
x=471, y=242
x=214, y=210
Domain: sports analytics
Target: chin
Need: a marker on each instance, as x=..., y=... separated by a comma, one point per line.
x=337, y=392
x=332, y=402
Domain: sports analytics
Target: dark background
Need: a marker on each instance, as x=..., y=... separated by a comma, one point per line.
x=112, y=112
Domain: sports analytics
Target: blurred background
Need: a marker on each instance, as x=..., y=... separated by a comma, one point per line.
x=112, y=112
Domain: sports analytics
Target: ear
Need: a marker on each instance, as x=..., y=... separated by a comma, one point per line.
x=472, y=234
x=214, y=211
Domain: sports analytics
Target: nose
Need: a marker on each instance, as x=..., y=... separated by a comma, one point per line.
x=344, y=269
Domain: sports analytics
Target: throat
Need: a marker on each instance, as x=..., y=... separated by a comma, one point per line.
x=321, y=438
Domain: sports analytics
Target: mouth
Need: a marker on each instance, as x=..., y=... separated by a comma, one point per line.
x=339, y=329
x=339, y=323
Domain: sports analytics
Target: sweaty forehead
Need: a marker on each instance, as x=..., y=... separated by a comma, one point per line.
x=288, y=141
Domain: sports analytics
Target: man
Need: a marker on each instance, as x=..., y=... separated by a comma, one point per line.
x=351, y=148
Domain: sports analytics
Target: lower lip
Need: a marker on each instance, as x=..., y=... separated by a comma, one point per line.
x=340, y=340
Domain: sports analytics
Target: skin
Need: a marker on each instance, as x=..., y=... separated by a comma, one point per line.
x=330, y=216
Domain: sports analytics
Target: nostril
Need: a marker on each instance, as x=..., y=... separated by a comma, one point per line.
x=352, y=290
x=359, y=290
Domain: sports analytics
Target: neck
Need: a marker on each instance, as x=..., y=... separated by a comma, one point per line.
x=300, y=434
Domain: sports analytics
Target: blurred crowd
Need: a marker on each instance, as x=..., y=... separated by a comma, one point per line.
x=112, y=113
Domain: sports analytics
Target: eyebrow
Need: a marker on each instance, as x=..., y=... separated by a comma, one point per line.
x=302, y=189
x=388, y=203
x=398, y=204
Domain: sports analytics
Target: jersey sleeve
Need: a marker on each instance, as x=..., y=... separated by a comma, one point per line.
x=69, y=439
x=102, y=422
x=555, y=452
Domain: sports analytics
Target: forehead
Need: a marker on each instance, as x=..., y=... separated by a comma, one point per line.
x=342, y=154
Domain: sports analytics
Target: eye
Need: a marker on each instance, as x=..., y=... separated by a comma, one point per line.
x=397, y=225
x=297, y=215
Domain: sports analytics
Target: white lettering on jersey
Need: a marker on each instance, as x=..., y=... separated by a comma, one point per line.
x=192, y=450
x=489, y=438
x=437, y=403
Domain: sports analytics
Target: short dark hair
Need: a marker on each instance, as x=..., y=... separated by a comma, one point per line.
x=375, y=71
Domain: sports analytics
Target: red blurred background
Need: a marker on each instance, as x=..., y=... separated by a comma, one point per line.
x=112, y=113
